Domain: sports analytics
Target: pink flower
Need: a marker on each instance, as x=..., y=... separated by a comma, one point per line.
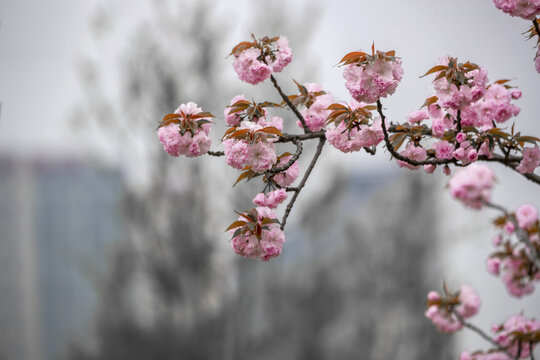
x=496, y=106
x=368, y=82
x=493, y=265
x=526, y=9
x=249, y=68
x=283, y=55
x=506, y=335
x=530, y=160
x=236, y=153
x=261, y=156
x=469, y=302
x=443, y=150
x=515, y=93
x=440, y=310
x=200, y=144
x=412, y=152
x=509, y=227
x=472, y=185
x=429, y=168
x=537, y=61
x=272, y=199
x=265, y=247
x=286, y=178
x=461, y=137
x=189, y=144
x=443, y=320
x=526, y=216
x=316, y=114
x=417, y=116
x=170, y=137
x=234, y=119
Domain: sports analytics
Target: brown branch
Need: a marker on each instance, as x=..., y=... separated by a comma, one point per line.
x=303, y=182
x=535, y=24
x=290, y=104
x=480, y=332
x=291, y=160
x=216, y=153
x=508, y=161
x=291, y=137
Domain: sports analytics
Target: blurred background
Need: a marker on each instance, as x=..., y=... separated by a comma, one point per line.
x=110, y=249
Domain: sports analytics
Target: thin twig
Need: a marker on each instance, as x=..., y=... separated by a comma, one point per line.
x=290, y=104
x=480, y=332
x=216, y=153
x=290, y=137
x=291, y=161
x=303, y=182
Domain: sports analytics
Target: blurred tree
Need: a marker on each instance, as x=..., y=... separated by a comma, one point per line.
x=167, y=297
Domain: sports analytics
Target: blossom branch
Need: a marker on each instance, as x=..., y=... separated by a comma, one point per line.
x=297, y=190
x=481, y=333
x=520, y=232
x=291, y=161
x=507, y=160
x=290, y=104
x=311, y=135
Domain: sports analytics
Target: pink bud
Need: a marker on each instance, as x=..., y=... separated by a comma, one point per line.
x=429, y=168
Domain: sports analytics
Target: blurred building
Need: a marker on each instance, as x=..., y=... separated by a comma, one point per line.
x=58, y=219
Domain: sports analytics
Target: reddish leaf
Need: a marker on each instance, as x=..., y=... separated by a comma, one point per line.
x=435, y=69
x=271, y=130
x=236, y=224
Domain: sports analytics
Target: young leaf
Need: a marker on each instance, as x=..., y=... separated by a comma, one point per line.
x=435, y=69
x=236, y=224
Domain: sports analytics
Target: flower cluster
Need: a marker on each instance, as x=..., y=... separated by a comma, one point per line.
x=249, y=142
x=255, y=61
x=447, y=312
x=316, y=103
x=351, y=127
x=518, y=335
x=472, y=185
x=526, y=9
x=512, y=258
x=530, y=160
x=185, y=132
x=370, y=77
x=464, y=113
x=257, y=234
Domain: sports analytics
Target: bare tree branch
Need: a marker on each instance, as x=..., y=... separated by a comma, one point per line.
x=297, y=190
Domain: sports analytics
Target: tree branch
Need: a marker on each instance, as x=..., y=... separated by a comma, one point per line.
x=303, y=182
x=216, y=153
x=291, y=161
x=508, y=161
x=290, y=104
x=311, y=135
x=480, y=332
